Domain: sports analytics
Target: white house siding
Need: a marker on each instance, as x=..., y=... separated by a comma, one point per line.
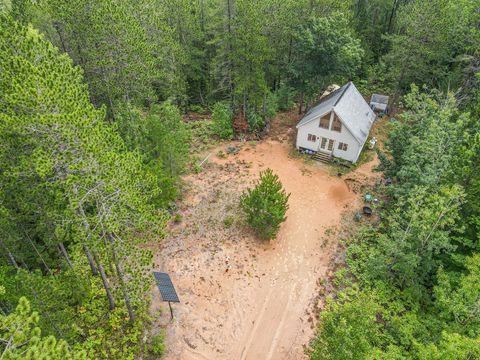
x=344, y=136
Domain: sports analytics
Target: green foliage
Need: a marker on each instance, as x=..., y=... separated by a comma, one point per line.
x=457, y=298
x=348, y=329
x=255, y=121
x=451, y=347
x=162, y=138
x=68, y=180
x=222, y=121
x=178, y=218
x=429, y=36
x=285, y=96
x=265, y=205
x=126, y=50
x=157, y=344
x=325, y=50
x=228, y=221
x=271, y=106
x=222, y=155
x=166, y=148
x=202, y=136
x=420, y=144
x=410, y=289
x=21, y=338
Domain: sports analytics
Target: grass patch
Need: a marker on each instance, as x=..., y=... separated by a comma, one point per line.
x=228, y=221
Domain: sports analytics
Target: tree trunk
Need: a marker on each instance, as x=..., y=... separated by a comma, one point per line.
x=264, y=107
x=9, y=255
x=300, y=107
x=392, y=15
x=244, y=105
x=65, y=254
x=229, y=55
x=56, y=26
x=111, y=301
x=121, y=277
x=90, y=260
x=39, y=255
x=86, y=225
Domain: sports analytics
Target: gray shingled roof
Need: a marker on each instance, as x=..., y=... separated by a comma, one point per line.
x=351, y=108
x=381, y=99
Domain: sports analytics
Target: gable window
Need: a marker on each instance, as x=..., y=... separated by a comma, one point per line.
x=325, y=121
x=312, y=137
x=337, y=124
x=342, y=146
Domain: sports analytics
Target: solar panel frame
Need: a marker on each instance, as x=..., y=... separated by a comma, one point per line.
x=165, y=286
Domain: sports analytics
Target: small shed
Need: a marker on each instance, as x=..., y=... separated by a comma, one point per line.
x=379, y=102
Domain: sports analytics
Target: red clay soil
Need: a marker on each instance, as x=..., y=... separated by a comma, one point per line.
x=242, y=298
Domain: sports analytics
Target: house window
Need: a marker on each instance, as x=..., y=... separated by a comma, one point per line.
x=325, y=121
x=337, y=124
x=342, y=146
x=312, y=137
x=330, y=145
x=324, y=143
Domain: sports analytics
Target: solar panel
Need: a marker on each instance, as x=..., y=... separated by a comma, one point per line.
x=166, y=288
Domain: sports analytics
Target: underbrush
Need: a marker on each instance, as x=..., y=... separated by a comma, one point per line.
x=202, y=136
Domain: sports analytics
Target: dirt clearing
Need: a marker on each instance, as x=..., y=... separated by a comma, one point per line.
x=243, y=298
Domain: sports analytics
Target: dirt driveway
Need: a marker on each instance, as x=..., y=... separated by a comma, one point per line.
x=243, y=298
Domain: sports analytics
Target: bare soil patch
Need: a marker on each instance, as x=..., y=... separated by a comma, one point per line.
x=243, y=298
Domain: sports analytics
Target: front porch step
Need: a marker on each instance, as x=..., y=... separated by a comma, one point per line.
x=322, y=157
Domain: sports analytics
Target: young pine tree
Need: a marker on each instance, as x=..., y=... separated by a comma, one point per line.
x=21, y=338
x=265, y=205
x=222, y=121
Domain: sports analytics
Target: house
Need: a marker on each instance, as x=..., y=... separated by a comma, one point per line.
x=338, y=126
x=379, y=102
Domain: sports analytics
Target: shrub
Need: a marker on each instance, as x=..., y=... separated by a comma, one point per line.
x=157, y=344
x=271, y=106
x=255, y=121
x=265, y=205
x=222, y=121
x=285, y=97
x=197, y=108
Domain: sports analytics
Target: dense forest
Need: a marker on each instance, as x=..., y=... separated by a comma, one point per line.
x=92, y=147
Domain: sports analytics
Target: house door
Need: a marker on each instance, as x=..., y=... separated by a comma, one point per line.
x=326, y=145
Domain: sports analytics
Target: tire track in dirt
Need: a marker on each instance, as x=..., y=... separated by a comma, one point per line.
x=253, y=332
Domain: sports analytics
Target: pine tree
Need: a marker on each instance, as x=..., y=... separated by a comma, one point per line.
x=265, y=205
x=21, y=338
x=59, y=154
x=109, y=41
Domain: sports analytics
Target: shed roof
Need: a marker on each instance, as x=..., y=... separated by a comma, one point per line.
x=380, y=99
x=351, y=108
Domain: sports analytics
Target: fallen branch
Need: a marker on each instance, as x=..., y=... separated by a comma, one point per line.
x=205, y=159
